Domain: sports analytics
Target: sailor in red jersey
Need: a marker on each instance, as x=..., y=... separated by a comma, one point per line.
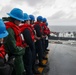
x=3, y=33
x=5, y=66
x=29, y=39
x=39, y=36
x=47, y=32
x=32, y=20
x=13, y=42
x=43, y=26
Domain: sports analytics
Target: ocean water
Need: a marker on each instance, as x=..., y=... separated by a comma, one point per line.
x=63, y=28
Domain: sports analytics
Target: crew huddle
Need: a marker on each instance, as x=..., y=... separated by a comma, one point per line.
x=23, y=43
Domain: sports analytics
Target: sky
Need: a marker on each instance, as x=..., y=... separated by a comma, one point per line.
x=57, y=12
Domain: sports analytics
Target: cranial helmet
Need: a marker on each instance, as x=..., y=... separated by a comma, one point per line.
x=26, y=16
x=17, y=14
x=32, y=17
x=3, y=31
x=39, y=18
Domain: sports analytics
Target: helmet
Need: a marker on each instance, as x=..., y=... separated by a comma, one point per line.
x=39, y=18
x=32, y=17
x=3, y=31
x=17, y=14
x=26, y=16
x=46, y=23
x=44, y=20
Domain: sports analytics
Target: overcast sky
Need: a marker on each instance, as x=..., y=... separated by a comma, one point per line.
x=57, y=12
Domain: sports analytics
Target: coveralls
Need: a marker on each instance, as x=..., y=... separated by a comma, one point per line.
x=13, y=46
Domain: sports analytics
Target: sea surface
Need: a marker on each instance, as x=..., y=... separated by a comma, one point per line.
x=63, y=28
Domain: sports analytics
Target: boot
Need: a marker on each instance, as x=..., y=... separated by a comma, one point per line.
x=42, y=65
x=35, y=71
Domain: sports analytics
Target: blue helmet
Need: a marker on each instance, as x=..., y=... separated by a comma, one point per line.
x=39, y=18
x=32, y=17
x=17, y=14
x=26, y=16
x=3, y=31
x=46, y=23
x=44, y=20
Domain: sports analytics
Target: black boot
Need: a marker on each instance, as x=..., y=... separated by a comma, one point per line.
x=42, y=65
x=47, y=50
x=24, y=73
x=45, y=58
x=35, y=71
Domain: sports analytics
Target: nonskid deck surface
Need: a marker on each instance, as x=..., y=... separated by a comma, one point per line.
x=42, y=70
